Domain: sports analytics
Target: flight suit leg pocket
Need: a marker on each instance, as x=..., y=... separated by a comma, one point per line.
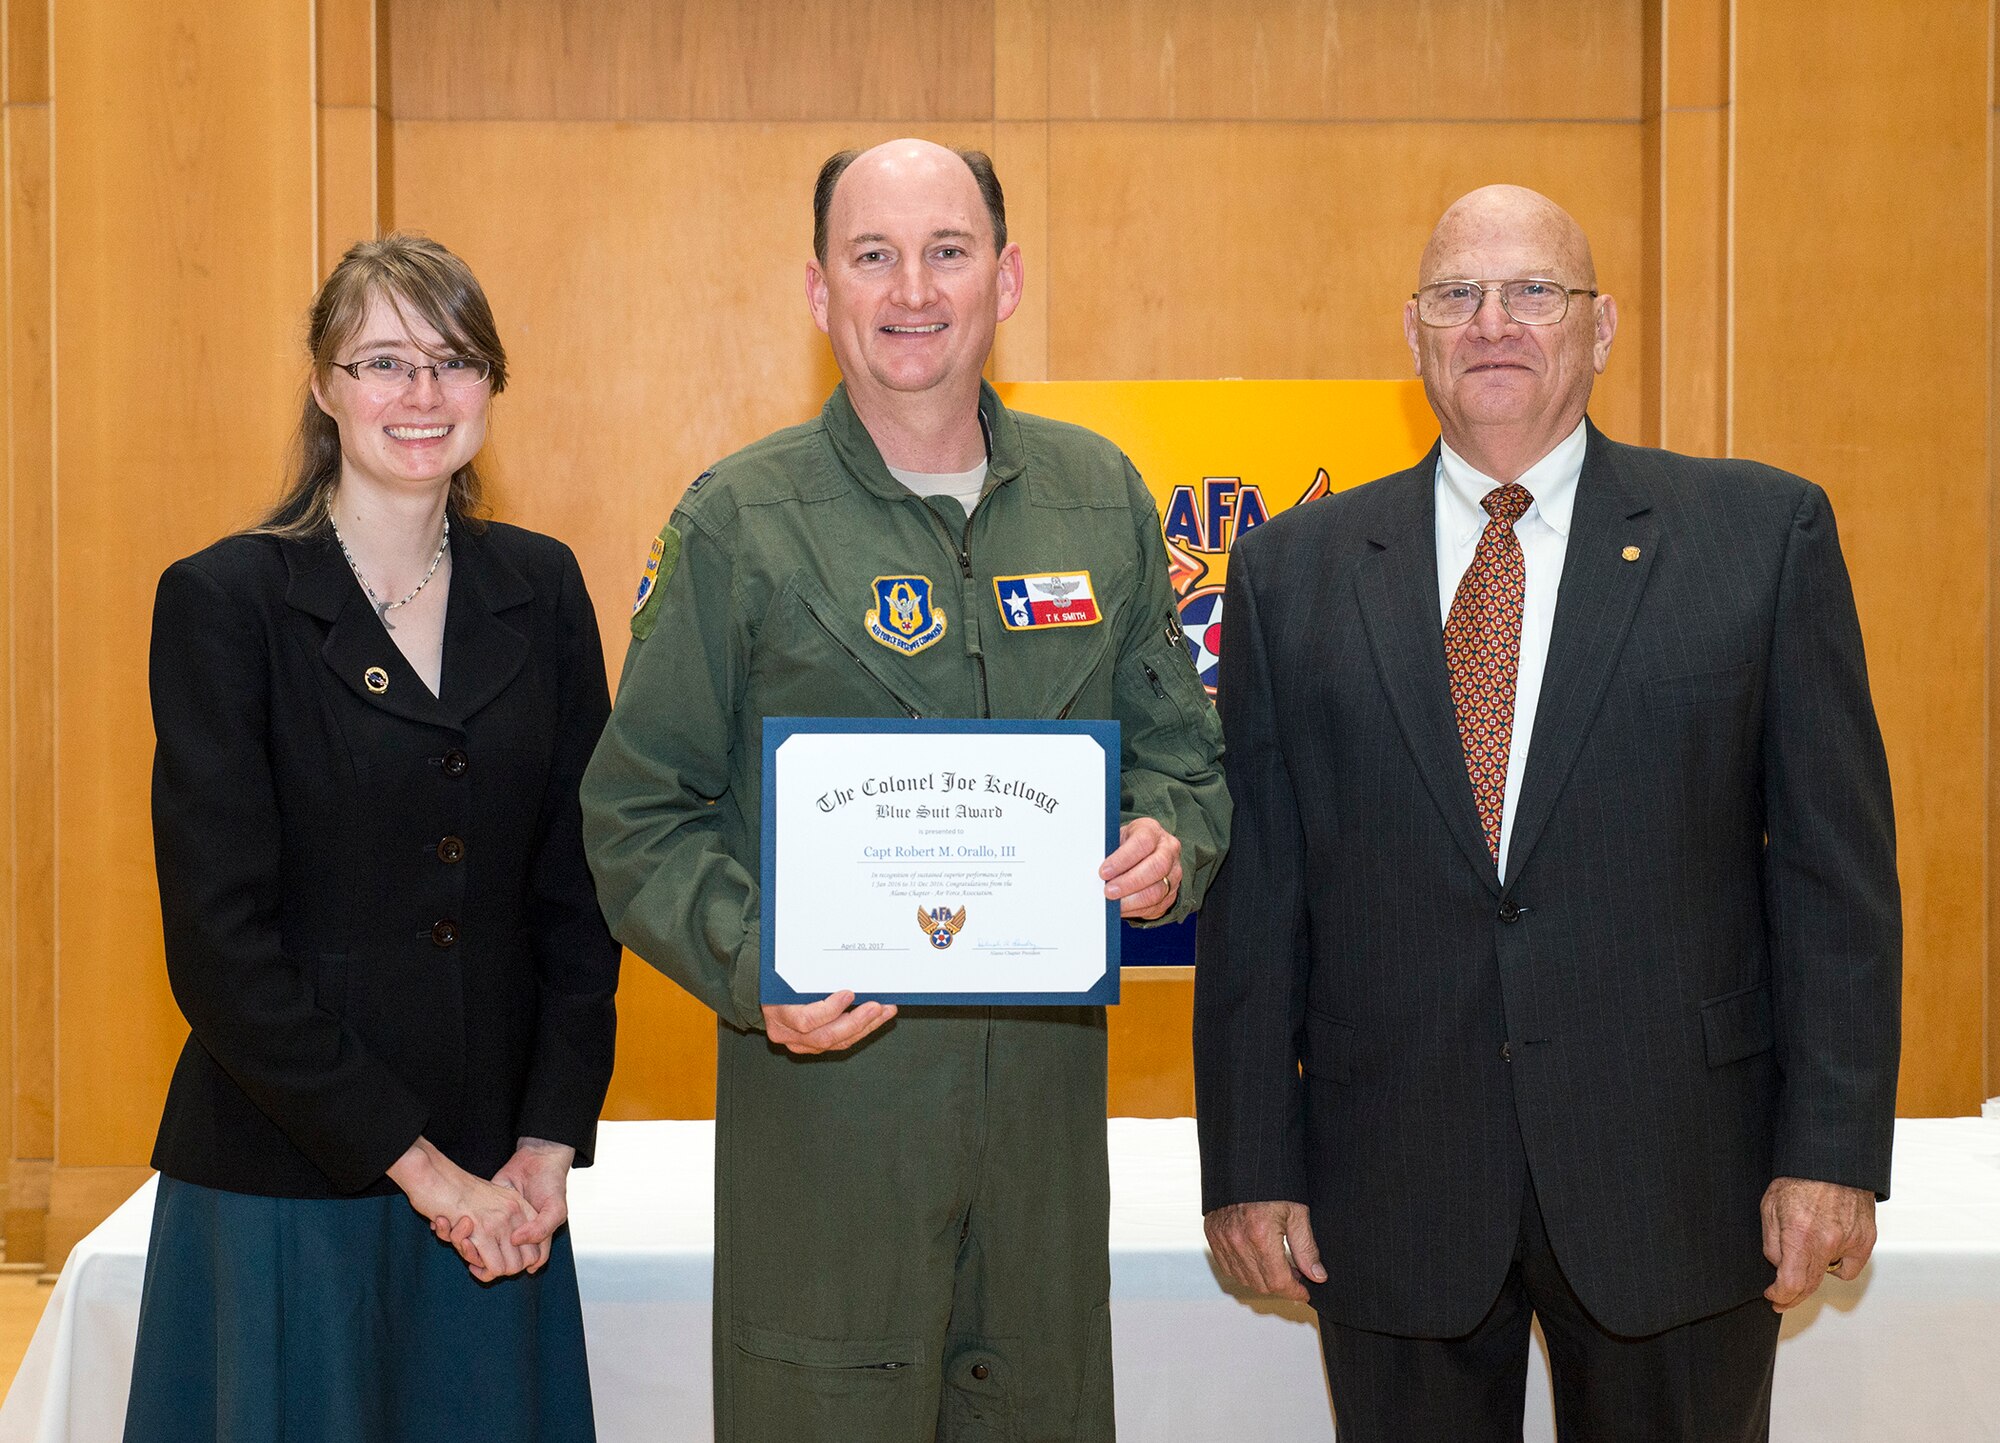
x=978, y=1403
x=841, y=1390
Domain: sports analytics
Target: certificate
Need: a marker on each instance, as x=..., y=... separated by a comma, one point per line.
x=939, y=862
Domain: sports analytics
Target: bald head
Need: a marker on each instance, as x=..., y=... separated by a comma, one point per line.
x=1514, y=216
x=1506, y=391
x=907, y=162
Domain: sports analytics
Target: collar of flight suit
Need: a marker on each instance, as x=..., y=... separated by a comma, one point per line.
x=862, y=460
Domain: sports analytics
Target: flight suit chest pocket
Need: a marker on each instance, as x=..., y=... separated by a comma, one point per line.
x=813, y=659
x=1329, y=1048
x=1737, y=1025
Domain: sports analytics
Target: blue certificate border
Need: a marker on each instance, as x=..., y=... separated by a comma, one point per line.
x=777, y=729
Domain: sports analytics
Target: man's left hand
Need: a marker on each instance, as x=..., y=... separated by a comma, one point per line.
x=1144, y=875
x=1812, y=1229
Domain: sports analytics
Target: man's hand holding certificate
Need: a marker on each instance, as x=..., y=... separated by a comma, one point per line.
x=945, y=862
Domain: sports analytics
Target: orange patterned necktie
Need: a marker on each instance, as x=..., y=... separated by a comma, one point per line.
x=1482, y=649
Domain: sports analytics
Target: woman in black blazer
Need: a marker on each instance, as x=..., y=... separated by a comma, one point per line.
x=372, y=713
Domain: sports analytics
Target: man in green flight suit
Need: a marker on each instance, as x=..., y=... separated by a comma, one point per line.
x=911, y=1209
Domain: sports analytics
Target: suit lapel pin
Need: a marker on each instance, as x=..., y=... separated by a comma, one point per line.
x=375, y=679
x=1630, y=553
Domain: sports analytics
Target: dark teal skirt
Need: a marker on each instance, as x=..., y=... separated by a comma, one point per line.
x=276, y=1320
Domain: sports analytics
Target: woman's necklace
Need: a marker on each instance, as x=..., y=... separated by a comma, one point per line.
x=383, y=608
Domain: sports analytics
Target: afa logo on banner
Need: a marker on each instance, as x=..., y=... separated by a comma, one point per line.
x=1224, y=457
x=1200, y=523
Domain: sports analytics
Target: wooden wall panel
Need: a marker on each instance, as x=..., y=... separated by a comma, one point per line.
x=864, y=60
x=1991, y=1088
x=7, y=677
x=348, y=126
x=27, y=29
x=1021, y=59
x=1685, y=401
x=31, y=662
x=1691, y=399
x=1344, y=60
x=1020, y=154
x=1696, y=56
x=1267, y=250
x=344, y=53
x=1861, y=360
x=349, y=208
x=184, y=247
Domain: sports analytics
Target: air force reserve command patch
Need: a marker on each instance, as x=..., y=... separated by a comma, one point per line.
x=1061, y=598
x=659, y=567
x=904, y=619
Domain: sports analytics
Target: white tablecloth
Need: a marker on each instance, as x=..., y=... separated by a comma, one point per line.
x=1911, y=1349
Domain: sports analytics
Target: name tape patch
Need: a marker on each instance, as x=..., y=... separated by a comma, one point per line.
x=1058, y=598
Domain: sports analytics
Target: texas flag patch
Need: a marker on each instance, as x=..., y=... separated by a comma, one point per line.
x=1061, y=598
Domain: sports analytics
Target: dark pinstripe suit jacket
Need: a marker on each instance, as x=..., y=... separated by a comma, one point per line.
x=1688, y=985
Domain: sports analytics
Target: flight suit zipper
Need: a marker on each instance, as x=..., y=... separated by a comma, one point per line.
x=961, y=548
x=1063, y=715
x=833, y=637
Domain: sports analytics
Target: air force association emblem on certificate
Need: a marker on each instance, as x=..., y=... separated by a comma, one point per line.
x=904, y=619
x=942, y=924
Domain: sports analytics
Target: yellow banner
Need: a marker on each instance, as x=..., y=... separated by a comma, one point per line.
x=1223, y=457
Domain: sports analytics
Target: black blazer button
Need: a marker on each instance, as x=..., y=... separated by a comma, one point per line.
x=1506, y=1052
x=455, y=763
x=1509, y=912
x=444, y=934
x=451, y=849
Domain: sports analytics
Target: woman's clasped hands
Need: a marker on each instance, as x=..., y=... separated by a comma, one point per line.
x=501, y=1227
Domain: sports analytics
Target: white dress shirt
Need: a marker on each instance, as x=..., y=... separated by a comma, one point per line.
x=1543, y=532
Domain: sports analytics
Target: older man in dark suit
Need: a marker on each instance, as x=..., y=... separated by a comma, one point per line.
x=1555, y=967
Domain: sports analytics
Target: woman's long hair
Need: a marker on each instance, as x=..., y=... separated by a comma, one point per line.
x=420, y=278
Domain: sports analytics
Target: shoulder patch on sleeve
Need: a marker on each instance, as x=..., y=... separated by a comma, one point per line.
x=659, y=567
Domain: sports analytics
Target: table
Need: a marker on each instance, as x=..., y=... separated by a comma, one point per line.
x=1911, y=1349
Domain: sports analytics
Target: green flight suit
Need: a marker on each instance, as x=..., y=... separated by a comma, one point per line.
x=911, y=1234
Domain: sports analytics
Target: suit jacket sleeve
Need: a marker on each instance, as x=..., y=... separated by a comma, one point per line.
x=1250, y=976
x=576, y=958
x=217, y=838
x=1832, y=901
